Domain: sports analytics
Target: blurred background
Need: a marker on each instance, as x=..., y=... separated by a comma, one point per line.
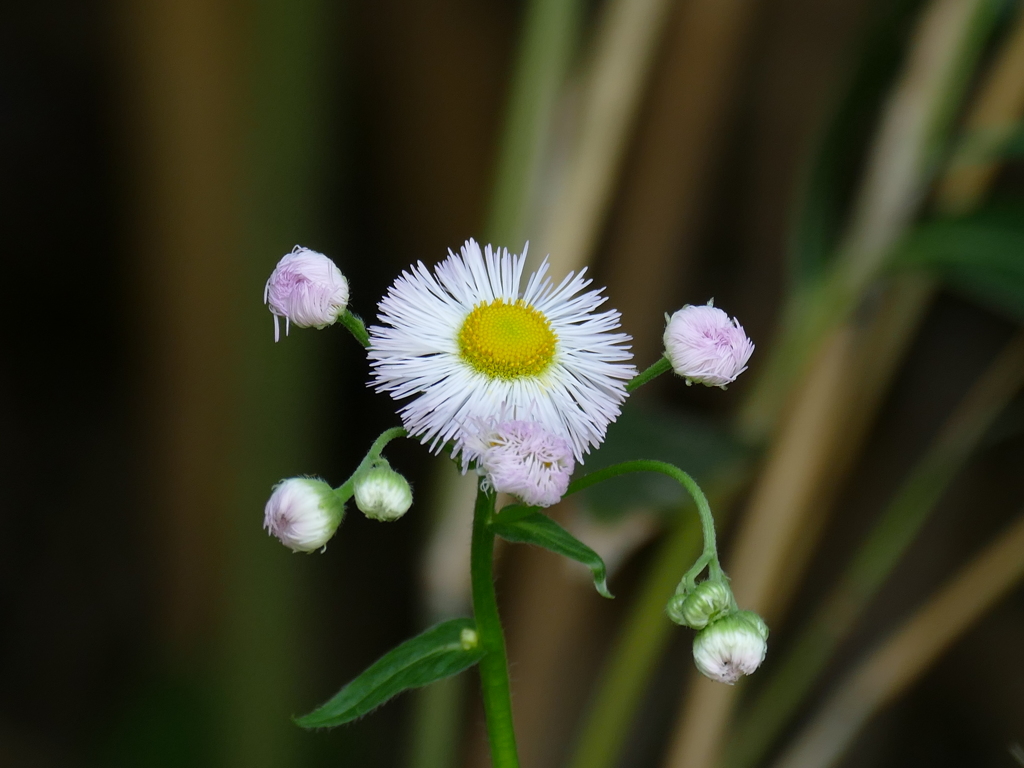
x=843, y=176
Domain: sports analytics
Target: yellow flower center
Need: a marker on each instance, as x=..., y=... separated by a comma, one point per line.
x=507, y=340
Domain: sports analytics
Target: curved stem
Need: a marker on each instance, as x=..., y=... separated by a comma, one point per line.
x=709, y=555
x=494, y=683
x=345, y=489
x=654, y=371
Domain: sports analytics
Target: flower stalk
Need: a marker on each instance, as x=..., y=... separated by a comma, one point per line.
x=494, y=683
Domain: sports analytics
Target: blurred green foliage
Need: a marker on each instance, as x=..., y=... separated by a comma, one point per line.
x=980, y=255
x=644, y=431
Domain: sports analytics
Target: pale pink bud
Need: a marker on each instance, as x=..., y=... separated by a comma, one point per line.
x=306, y=288
x=524, y=459
x=705, y=346
x=303, y=513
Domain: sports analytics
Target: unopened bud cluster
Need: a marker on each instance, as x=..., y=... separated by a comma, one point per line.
x=731, y=643
x=304, y=512
x=710, y=600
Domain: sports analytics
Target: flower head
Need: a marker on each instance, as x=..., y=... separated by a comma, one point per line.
x=303, y=513
x=382, y=494
x=731, y=647
x=524, y=459
x=306, y=288
x=708, y=602
x=465, y=346
x=705, y=346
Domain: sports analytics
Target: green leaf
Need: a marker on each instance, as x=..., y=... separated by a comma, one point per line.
x=540, y=530
x=981, y=255
x=439, y=652
x=990, y=144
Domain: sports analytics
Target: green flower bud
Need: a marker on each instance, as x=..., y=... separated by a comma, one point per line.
x=710, y=600
x=731, y=647
x=382, y=494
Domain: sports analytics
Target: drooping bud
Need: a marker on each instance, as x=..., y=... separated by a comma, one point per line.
x=304, y=513
x=708, y=602
x=705, y=346
x=382, y=494
x=307, y=289
x=731, y=647
x=524, y=459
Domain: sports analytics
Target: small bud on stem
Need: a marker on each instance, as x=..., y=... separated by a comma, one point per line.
x=306, y=288
x=381, y=493
x=705, y=346
x=304, y=513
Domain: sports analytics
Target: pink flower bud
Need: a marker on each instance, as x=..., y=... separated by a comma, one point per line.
x=524, y=459
x=306, y=288
x=705, y=346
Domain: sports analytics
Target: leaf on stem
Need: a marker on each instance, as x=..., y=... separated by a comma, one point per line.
x=437, y=653
x=540, y=530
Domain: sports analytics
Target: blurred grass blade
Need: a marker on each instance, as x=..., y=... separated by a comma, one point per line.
x=837, y=160
x=910, y=140
x=540, y=530
x=441, y=651
x=816, y=364
x=620, y=57
x=997, y=111
x=550, y=33
x=762, y=722
x=899, y=661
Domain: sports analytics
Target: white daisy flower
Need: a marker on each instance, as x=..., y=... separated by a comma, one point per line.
x=469, y=348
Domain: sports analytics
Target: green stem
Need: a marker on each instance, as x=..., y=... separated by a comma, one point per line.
x=494, y=683
x=356, y=327
x=661, y=366
x=373, y=455
x=709, y=556
x=642, y=639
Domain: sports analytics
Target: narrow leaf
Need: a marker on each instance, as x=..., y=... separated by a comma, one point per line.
x=441, y=651
x=540, y=530
x=981, y=254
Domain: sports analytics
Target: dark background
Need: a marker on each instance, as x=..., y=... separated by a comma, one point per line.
x=154, y=171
